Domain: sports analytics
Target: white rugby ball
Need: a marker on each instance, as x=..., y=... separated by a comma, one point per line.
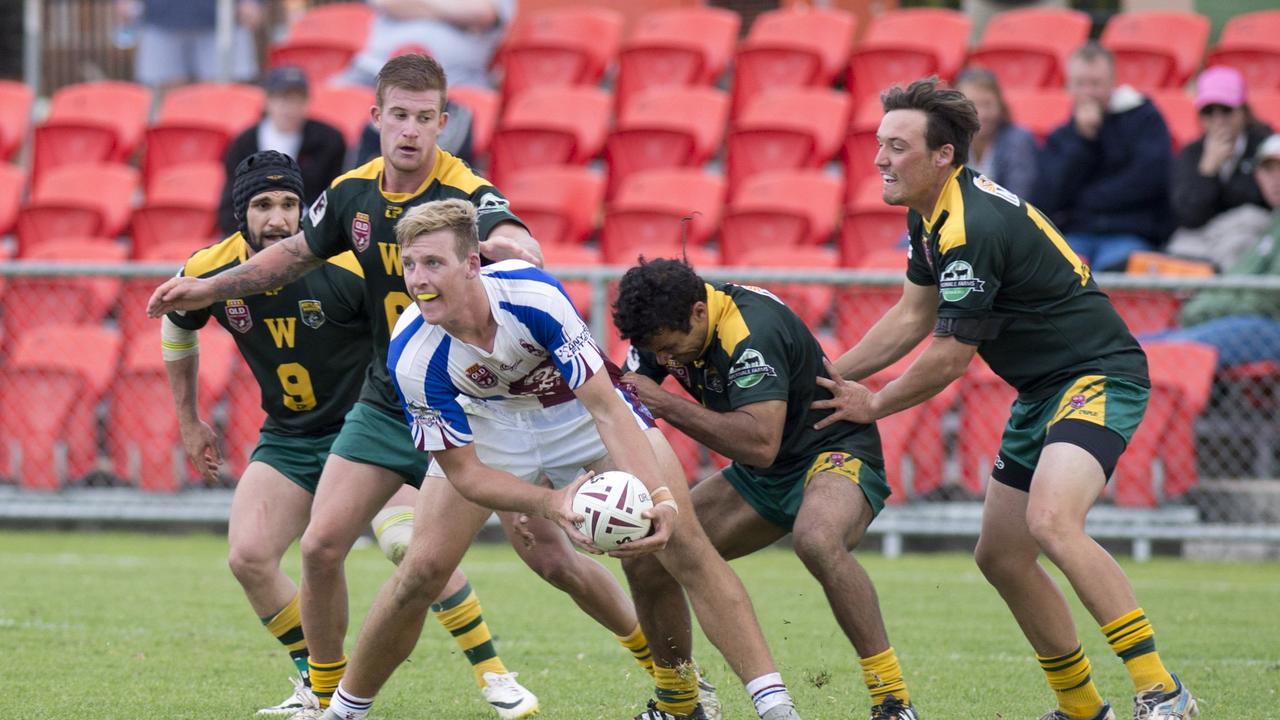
x=610, y=504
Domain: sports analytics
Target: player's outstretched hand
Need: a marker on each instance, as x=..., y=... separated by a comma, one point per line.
x=201, y=444
x=179, y=293
x=560, y=510
x=663, y=518
x=850, y=400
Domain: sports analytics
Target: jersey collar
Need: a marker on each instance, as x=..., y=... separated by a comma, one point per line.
x=949, y=190
x=405, y=197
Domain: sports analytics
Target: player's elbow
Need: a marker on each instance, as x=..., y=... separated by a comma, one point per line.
x=764, y=451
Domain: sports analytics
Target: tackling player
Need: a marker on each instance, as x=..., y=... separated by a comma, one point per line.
x=502, y=382
x=749, y=363
x=988, y=274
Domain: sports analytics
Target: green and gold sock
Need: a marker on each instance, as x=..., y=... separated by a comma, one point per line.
x=639, y=647
x=1071, y=678
x=677, y=689
x=1133, y=639
x=460, y=615
x=325, y=678
x=883, y=676
x=286, y=626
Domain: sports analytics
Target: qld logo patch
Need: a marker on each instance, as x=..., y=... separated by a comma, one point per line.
x=957, y=282
x=482, y=376
x=1078, y=401
x=311, y=313
x=361, y=229
x=238, y=315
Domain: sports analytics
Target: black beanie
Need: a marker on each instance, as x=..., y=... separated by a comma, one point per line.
x=262, y=172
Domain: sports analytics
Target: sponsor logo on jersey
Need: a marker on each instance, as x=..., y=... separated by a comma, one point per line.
x=491, y=203
x=316, y=213
x=957, y=282
x=424, y=417
x=361, y=228
x=531, y=348
x=238, y=315
x=750, y=369
x=570, y=349
x=311, y=312
x=482, y=376
x=392, y=212
x=546, y=382
x=987, y=186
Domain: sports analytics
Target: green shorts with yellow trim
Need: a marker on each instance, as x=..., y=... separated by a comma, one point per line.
x=298, y=457
x=778, y=498
x=371, y=437
x=1094, y=412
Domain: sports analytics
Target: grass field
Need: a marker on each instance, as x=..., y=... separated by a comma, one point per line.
x=123, y=626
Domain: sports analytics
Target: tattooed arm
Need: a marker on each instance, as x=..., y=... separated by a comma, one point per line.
x=271, y=268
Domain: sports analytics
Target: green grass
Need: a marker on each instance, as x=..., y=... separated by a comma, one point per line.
x=147, y=627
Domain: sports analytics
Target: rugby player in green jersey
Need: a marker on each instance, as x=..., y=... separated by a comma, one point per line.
x=307, y=345
x=749, y=362
x=373, y=456
x=989, y=275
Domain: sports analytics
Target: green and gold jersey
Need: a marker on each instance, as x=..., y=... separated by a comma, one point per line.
x=356, y=215
x=756, y=350
x=306, y=343
x=1031, y=306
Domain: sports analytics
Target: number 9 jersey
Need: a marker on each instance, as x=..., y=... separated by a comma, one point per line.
x=356, y=214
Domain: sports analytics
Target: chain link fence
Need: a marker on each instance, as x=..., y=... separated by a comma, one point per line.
x=84, y=399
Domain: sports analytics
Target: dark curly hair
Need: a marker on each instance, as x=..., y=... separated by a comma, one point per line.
x=654, y=296
x=951, y=118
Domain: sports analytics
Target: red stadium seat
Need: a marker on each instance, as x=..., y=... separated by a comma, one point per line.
x=146, y=445
x=1250, y=43
x=91, y=122
x=791, y=47
x=324, y=40
x=549, y=126
x=562, y=256
x=984, y=410
x=1179, y=112
x=106, y=288
x=77, y=200
x=1266, y=106
x=15, y=116
x=346, y=107
x=651, y=211
x=1181, y=376
x=811, y=301
x=559, y=203
x=1029, y=47
x=903, y=45
x=483, y=104
x=787, y=128
x=36, y=409
x=666, y=126
x=680, y=46
x=780, y=210
x=244, y=417
x=319, y=59
x=1145, y=311
x=1039, y=110
x=131, y=313
x=870, y=225
x=565, y=46
x=197, y=122
x=1156, y=48
x=92, y=352
x=182, y=201
x=12, y=183
x=860, y=146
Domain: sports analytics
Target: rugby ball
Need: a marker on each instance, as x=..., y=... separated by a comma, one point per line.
x=610, y=504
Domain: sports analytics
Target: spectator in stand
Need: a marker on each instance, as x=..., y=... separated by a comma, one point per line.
x=1003, y=151
x=177, y=40
x=1244, y=325
x=1104, y=174
x=1216, y=201
x=317, y=147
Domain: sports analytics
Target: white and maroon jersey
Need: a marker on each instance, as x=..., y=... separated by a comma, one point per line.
x=542, y=353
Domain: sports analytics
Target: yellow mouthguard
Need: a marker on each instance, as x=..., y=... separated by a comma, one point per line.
x=428, y=296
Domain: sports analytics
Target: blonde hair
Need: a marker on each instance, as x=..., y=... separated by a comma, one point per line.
x=458, y=216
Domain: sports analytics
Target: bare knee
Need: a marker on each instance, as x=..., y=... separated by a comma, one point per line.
x=419, y=581
x=559, y=569
x=1002, y=561
x=819, y=549
x=1053, y=529
x=646, y=571
x=322, y=553
x=251, y=566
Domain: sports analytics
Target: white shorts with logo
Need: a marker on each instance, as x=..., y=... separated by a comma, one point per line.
x=556, y=442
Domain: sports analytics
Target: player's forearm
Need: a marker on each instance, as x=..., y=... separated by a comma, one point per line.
x=517, y=234
x=183, y=384
x=269, y=269
x=937, y=368
x=737, y=435
x=498, y=490
x=893, y=336
x=628, y=447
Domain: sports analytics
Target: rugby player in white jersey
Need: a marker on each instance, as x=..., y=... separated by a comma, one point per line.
x=502, y=382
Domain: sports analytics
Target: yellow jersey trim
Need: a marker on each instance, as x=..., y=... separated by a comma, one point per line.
x=725, y=319
x=448, y=169
x=347, y=261
x=951, y=200
x=220, y=254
